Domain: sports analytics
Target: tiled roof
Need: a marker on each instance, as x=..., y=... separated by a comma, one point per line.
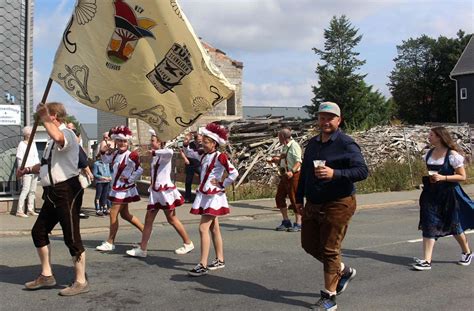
x=465, y=64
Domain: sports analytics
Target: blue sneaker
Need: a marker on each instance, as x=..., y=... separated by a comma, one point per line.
x=285, y=225
x=296, y=228
x=325, y=303
x=347, y=275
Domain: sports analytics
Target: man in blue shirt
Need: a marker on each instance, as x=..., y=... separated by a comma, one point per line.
x=332, y=162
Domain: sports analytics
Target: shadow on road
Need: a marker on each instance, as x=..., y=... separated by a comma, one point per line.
x=21, y=275
x=221, y=285
x=247, y=205
x=234, y=227
x=393, y=259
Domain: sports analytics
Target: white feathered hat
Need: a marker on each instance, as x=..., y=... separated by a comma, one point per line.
x=121, y=132
x=216, y=132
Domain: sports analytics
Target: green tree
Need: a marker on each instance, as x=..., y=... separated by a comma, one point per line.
x=69, y=119
x=340, y=80
x=420, y=84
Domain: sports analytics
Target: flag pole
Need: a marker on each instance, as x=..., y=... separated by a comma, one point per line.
x=33, y=131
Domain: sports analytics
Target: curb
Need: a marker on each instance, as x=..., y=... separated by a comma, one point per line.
x=265, y=213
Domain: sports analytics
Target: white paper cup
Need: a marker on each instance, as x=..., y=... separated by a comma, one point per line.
x=431, y=173
x=318, y=163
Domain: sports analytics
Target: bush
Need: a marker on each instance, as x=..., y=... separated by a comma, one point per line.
x=251, y=191
x=392, y=176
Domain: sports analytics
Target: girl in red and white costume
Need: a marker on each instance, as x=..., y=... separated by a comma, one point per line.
x=126, y=170
x=211, y=200
x=163, y=195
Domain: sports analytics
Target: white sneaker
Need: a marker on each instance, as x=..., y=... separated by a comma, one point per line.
x=465, y=259
x=186, y=248
x=22, y=215
x=105, y=247
x=136, y=252
x=33, y=213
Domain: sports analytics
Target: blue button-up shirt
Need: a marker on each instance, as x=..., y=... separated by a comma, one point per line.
x=343, y=155
x=101, y=170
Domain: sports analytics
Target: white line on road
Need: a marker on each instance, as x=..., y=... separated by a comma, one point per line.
x=419, y=240
x=401, y=242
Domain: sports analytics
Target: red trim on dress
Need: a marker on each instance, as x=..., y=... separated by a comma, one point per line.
x=135, y=198
x=120, y=169
x=208, y=172
x=163, y=188
x=158, y=206
x=135, y=157
x=210, y=211
x=225, y=162
x=213, y=191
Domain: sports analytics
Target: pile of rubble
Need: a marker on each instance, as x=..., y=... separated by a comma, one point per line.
x=253, y=140
x=401, y=143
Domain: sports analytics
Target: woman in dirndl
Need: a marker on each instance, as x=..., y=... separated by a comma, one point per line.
x=445, y=209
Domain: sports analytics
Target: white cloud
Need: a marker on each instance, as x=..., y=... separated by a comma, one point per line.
x=271, y=24
x=278, y=94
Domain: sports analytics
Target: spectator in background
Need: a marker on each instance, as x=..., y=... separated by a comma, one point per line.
x=193, y=165
x=28, y=181
x=103, y=177
x=105, y=141
x=289, y=164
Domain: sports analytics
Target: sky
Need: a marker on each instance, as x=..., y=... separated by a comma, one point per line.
x=274, y=40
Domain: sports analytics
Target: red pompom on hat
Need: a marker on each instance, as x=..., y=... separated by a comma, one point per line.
x=121, y=132
x=216, y=132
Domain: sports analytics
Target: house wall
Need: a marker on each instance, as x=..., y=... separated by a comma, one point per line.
x=465, y=106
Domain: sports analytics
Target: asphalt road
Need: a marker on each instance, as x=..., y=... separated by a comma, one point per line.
x=265, y=270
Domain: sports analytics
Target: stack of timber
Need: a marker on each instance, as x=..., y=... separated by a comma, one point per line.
x=253, y=140
x=403, y=143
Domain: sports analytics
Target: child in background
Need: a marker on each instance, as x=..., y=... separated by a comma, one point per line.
x=103, y=178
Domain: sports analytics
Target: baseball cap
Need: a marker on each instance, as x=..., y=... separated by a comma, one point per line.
x=330, y=107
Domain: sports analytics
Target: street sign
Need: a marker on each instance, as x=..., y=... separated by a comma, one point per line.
x=10, y=115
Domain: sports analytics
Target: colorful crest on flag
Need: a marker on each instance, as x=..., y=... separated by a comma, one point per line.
x=128, y=30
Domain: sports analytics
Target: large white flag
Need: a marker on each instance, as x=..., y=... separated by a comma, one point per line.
x=139, y=59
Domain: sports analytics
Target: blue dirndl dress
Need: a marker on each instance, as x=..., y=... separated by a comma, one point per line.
x=445, y=208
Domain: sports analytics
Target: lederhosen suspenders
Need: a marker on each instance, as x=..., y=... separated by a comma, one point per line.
x=47, y=161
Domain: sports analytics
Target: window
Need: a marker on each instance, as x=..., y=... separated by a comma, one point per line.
x=231, y=109
x=463, y=93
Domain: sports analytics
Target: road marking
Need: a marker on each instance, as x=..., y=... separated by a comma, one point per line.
x=402, y=242
x=419, y=240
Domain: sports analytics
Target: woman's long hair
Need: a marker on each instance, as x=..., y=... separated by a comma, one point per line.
x=446, y=138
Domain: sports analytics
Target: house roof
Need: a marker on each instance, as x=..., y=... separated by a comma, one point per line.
x=220, y=55
x=90, y=129
x=465, y=64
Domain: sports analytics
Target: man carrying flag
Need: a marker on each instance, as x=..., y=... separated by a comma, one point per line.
x=59, y=178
